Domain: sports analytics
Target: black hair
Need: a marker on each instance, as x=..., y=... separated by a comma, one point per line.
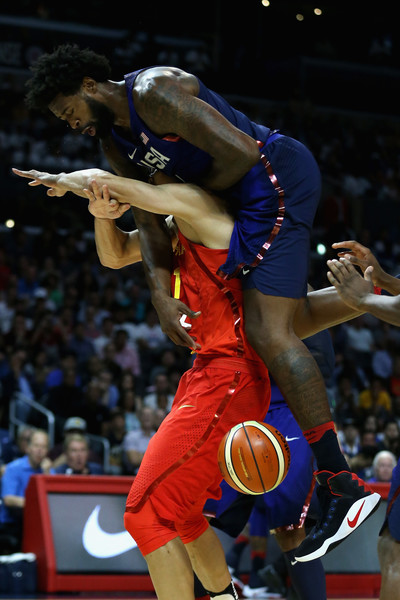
x=62, y=72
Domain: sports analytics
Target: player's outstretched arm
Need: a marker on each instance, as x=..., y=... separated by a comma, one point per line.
x=358, y=291
x=362, y=256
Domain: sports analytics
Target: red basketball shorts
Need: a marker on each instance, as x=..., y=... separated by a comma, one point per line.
x=179, y=470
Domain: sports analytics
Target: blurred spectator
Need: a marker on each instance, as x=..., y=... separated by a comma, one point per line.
x=382, y=362
x=159, y=416
x=349, y=438
x=14, y=381
x=65, y=400
x=116, y=431
x=345, y=400
x=96, y=415
x=15, y=480
x=135, y=442
x=375, y=400
x=71, y=425
x=12, y=449
x=56, y=375
x=382, y=467
x=360, y=343
x=81, y=344
x=389, y=438
x=160, y=395
x=126, y=356
x=110, y=362
x=150, y=338
x=48, y=335
x=110, y=392
x=105, y=334
x=130, y=405
x=76, y=451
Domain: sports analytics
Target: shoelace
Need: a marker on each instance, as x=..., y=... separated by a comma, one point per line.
x=323, y=523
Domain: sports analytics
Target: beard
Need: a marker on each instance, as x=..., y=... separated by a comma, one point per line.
x=102, y=118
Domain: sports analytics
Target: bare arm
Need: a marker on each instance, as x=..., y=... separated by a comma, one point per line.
x=166, y=99
x=14, y=501
x=320, y=310
x=358, y=292
x=362, y=256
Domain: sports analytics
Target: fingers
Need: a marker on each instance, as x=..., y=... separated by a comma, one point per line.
x=368, y=273
x=350, y=244
x=340, y=268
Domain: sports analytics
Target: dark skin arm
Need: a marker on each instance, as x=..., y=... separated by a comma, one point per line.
x=155, y=245
x=166, y=100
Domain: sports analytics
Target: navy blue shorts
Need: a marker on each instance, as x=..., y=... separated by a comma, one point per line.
x=278, y=198
x=392, y=519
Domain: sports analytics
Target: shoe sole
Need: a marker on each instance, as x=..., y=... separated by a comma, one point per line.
x=367, y=505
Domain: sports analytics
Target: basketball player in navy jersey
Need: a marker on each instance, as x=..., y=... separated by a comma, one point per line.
x=165, y=118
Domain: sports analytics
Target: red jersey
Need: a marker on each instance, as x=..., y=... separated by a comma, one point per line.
x=219, y=329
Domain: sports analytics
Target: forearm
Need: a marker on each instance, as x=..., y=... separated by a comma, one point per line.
x=14, y=501
x=156, y=250
x=388, y=283
x=386, y=308
x=115, y=248
x=320, y=310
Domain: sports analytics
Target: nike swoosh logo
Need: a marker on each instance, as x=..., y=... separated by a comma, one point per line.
x=100, y=543
x=354, y=521
x=133, y=154
x=288, y=439
x=245, y=271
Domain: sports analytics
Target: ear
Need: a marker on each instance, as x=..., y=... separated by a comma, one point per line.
x=89, y=85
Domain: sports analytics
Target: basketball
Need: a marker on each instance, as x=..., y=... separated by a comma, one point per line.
x=253, y=457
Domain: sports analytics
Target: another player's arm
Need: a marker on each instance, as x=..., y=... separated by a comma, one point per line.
x=166, y=99
x=358, y=291
x=321, y=310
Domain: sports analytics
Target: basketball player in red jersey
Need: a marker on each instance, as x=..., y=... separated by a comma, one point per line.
x=227, y=384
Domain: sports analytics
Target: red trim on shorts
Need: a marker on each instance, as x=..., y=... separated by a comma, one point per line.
x=232, y=387
x=276, y=228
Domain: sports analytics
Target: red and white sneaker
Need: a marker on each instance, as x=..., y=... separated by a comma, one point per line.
x=346, y=501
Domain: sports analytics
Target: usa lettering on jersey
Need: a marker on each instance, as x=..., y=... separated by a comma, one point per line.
x=154, y=158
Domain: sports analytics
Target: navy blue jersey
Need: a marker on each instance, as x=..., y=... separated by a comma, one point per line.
x=279, y=194
x=172, y=154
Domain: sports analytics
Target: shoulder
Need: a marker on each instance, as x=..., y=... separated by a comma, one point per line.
x=158, y=79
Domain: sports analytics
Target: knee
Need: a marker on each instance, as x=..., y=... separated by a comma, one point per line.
x=148, y=531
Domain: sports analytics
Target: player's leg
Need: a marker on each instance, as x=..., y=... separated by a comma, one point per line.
x=308, y=578
x=389, y=560
x=269, y=326
x=171, y=571
x=207, y=558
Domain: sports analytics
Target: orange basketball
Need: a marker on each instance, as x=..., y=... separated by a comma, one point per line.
x=253, y=457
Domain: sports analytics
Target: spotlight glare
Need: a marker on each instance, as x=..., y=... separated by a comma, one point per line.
x=299, y=17
x=317, y=11
x=10, y=223
x=321, y=249
x=265, y=2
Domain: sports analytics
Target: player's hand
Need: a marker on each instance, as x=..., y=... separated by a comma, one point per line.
x=350, y=285
x=101, y=205
x=42, y=178
x=170, y=312
x=361, y=256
